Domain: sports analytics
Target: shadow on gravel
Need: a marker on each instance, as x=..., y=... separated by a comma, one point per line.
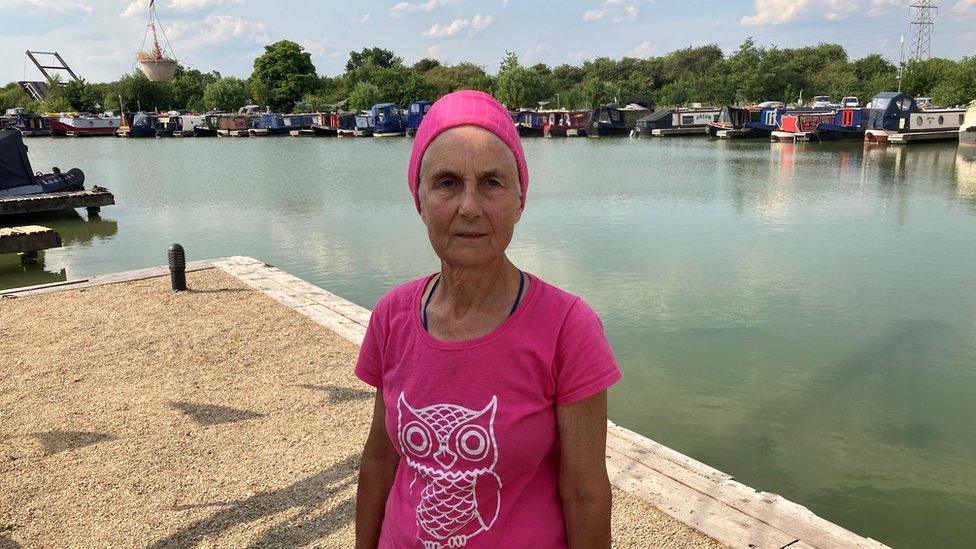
x=55, y=442
x=304, y=499
x=340, y=394
x=213, y=414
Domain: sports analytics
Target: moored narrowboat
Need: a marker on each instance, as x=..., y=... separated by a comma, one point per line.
x=415, y=115
x=326, y=124
x=676, y=122
x=529, y=123
x=388, y=120
x=265, y=124
x=731, y=121
x=209, y=126
x=896, y=117
x=801, y=125
x=363, y=124
x=28, y=124
x=77, y=125
x=346, y=124
x=848, y=124
x=611, y=120
x=565, y=123
x=232, y=125
x=139, y=124
x=967, y=131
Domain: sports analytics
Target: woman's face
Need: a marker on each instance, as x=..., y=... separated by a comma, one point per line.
x=469, y=196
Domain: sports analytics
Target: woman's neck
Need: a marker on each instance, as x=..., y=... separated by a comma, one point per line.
x=472, y=288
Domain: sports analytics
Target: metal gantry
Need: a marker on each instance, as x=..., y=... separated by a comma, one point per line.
x=921, y=26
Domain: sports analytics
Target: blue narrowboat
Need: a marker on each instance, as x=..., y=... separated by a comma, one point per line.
x=530, y=124
x=388, y=120
x=763, y=122
x=415, y=115
x=847, y=124
x=139, y=124
x=279, y=124
x=364, y=124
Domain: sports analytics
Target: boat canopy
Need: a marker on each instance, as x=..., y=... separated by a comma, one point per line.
x=887, y=108
x=15, y=168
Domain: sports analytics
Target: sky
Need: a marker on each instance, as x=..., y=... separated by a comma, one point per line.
x=99, y=38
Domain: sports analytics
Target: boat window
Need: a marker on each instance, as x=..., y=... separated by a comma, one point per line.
x=905, y=104
x=919, y=120
x=941, y=120
x=880, y=104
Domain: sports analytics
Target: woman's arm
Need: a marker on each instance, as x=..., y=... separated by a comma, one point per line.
x=583, y=484
x=376, y=473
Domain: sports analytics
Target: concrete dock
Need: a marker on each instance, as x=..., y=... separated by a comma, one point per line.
x=229, y=415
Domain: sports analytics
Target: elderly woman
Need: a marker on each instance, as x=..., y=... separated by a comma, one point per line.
x=489, y=426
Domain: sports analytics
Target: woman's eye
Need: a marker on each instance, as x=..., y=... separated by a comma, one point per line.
x=494, y=183
x=447, y=183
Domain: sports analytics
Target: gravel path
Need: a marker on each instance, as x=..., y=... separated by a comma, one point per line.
x=134, y=417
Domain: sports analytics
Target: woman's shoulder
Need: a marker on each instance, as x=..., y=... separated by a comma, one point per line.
x=553, y=299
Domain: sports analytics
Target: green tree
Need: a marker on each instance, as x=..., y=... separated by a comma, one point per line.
x=283, y=75
x=517, y=86
x=226, y=94
x=12, y=96
x=372, y=56
x=364, y=96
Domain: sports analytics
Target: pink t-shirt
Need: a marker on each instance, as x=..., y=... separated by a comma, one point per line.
x=474, y=421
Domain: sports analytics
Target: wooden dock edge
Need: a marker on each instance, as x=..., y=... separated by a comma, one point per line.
x=700, y=496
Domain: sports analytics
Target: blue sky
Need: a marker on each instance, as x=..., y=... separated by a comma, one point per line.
x=99, y=38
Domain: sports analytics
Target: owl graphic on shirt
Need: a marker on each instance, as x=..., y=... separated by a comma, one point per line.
x=452, y=450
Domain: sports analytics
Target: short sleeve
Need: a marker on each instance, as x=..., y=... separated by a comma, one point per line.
x=584, y=361
x=369, y=366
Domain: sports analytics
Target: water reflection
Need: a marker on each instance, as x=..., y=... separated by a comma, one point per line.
x=966, y=174
x=75, y=231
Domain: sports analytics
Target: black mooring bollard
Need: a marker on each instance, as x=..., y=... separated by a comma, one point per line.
x=177, y=267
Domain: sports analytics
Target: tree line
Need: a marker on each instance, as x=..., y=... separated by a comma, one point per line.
x=285, y=79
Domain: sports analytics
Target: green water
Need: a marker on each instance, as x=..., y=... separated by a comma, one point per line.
x=800, y=316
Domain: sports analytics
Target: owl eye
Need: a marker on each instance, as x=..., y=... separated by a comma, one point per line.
x=472, y=441
x=416, y=438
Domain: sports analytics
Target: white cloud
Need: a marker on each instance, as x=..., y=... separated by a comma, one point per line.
x=217, y=29
x=531, y=55
x=315, y=46
x=54, y=6
x=138, y=7
x=363, y=20
x=472, y=25
x=964, y=7
x=778, y=12
x=642, y=50
x=619, y=11
x=406, y=8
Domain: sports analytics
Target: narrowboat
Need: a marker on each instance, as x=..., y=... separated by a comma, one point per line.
x=209, y=126
x=731, y=120
x=801, y=125
x=609, y=120
x=415, y=115
x=565, y=123
x=897, y=118
x=346, y=124
x=764, y=121
x=28, y=124
x=77, y=125
x=388, y=120
x=167, y=123
x=186, y=125
x=279, y=124
x=326, y=124
x=967, y=131
x=674, y=122
x=17, y=177
x=139, y=124
x=364, y=124
x=529, y=123
x=848, y=124
x=232, y=125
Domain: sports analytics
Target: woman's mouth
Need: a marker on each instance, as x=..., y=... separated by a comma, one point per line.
x=470, y=236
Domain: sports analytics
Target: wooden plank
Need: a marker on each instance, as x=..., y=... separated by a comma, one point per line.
x=787, y=516
x=29, y=238
x=46, y=202
x=705, y=514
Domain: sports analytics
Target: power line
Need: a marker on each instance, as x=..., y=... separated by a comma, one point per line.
x=921, y=27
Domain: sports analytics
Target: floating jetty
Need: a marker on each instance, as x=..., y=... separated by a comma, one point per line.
x=90, y=199
x=27, y=241
x=643, y=472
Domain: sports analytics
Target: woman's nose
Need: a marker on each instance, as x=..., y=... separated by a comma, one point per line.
x=470, y=202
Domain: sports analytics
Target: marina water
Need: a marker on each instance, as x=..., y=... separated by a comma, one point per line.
x=802, y=317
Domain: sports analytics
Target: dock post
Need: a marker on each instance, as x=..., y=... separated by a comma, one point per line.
x=28, y=258
x=177, y=267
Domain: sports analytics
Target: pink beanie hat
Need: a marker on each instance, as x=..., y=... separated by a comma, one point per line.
x=465, y=108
